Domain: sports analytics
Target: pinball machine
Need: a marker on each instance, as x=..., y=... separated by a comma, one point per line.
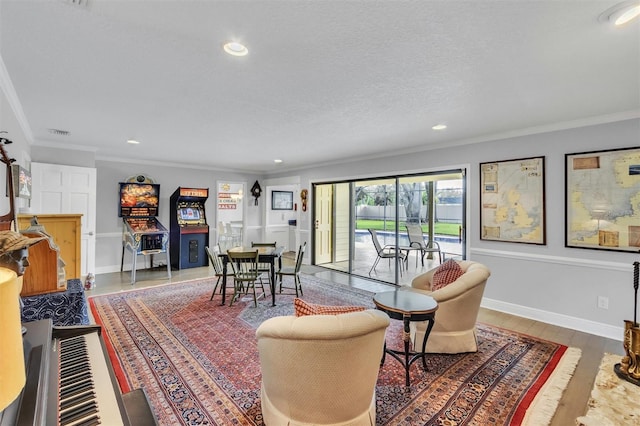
x=142, y=233
x=189, y=229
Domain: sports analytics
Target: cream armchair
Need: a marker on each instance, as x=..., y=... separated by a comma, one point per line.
x=321, y=369
x=458, y=305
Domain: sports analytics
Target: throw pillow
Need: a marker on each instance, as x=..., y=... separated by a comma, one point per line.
x=303, y=308
x=446, y=273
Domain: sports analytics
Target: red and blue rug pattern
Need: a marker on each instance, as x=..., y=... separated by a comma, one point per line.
x=198, y=360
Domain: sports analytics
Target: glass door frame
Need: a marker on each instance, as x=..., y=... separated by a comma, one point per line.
x=453, y=174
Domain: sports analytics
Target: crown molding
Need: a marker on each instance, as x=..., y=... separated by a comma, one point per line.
x=14, y=102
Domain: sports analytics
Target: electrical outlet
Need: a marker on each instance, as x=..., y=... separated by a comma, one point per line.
x=603, y=302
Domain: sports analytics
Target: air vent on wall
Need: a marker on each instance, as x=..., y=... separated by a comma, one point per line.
x=80, y=3
x=58, y=132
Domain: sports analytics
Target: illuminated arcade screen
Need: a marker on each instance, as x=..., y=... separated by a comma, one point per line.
x=139, y=199
x=189, y=213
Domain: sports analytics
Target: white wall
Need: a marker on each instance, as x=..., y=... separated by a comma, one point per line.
x=552, y=283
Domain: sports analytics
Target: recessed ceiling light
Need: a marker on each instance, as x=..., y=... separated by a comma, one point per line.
x=439, y=127
x=277, y=161
x=236, y=49
x=133, y=141
x=621, y=13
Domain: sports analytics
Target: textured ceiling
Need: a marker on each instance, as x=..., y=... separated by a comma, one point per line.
x=324, y=81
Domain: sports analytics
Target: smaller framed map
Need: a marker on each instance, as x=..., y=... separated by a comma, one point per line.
x=512, y=206
x=602, y=197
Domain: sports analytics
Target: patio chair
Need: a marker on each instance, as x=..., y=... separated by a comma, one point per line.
x=417, y=240
x=386, y=252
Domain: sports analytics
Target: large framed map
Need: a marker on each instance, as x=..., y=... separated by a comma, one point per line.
x=602, y=195
x=512, y=206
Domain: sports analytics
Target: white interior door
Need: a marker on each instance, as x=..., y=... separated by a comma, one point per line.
x=323, y=196
x=68, y=190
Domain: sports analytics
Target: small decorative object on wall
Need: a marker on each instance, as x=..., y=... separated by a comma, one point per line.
x=304, y=194
x=21, y=181
x=512, y=206
x=602, y=197
x=281, y=200
x=256, y=191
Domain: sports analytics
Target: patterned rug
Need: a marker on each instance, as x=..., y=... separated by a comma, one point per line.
x=198, y=361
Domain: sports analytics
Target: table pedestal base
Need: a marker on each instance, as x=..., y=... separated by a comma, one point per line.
x=407, y=357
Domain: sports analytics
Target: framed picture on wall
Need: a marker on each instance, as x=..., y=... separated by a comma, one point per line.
x=281, y=200
x=602, y=200
x=512, y=201
x=21, y=181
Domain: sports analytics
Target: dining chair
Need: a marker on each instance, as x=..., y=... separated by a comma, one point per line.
x=417, y=240
x=386, y=252
x=245, y=274
x=288, y=271
x=264, y=268
x=218, y=267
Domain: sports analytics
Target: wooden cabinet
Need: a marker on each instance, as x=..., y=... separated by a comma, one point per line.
x=44, y=273
x=65, y=229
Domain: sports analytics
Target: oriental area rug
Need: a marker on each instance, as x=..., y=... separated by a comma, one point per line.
x=198, y=361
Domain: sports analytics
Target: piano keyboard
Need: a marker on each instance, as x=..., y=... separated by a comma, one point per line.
x=85, y=392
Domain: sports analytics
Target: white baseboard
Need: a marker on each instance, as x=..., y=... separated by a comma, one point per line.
x=112, y=268
x=573, y=323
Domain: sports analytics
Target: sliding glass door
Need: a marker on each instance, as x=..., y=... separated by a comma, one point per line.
x=362, y=226
x=376, y=253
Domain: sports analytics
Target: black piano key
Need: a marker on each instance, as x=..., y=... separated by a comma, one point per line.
x=76, y=383
x=72, y=364
x=74, y=369
x=67, y=353
x=73, y=394
x=73, y=376
x=76, y=388
x=71, y=355
x=78, y=413
x=64, y=404
x=65, y=344
x=70, y=340
x=91, y=421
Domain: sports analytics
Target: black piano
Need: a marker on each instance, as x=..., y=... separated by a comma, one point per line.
x=70, y=381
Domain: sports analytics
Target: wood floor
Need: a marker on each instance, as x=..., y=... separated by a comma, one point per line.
x=574, y=400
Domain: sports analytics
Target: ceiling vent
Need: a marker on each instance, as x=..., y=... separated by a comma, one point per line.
x=79, y=3
x=58, y=132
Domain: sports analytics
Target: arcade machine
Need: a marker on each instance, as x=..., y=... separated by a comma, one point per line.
x=189, y=229
x=142, y=233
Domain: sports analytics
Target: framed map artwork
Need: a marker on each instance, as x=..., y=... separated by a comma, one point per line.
x=602, y=196
x=512, y=206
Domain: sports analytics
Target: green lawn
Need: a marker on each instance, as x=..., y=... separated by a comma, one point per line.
x=379, y=225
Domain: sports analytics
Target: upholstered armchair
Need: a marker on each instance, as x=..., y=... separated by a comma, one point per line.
x=321, y=369
x=458, y=305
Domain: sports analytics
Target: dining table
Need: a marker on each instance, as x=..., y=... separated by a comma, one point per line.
x=265, y=255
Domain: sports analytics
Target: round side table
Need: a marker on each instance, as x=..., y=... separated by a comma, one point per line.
x=407, y=305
